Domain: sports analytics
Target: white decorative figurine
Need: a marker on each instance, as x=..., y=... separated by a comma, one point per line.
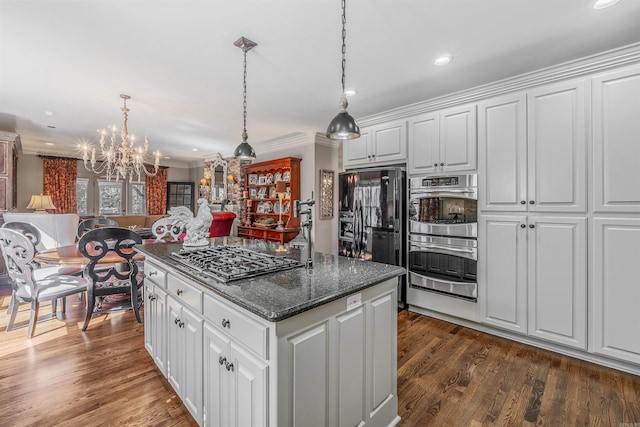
x=197, y=228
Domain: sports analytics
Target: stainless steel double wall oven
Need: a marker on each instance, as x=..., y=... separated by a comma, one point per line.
x=443, y=235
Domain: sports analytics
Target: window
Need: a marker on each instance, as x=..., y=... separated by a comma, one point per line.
x=180, y=194
x=82, y=189
x=110, y=198
x=137, y=199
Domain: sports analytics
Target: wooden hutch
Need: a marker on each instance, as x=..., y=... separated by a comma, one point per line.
x=262, y=202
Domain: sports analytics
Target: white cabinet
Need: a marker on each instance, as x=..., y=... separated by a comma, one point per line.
x=155, y=315
x=350, y=358
x=533, y=276
x=380, y=144
x=616, y=252
x=155, y=324
x=532, y=150
x=616, y=151
x=235, y=386
x=443, y=141
x=184, y=344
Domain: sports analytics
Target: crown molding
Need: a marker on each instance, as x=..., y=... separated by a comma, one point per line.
x=614, y=58
x=293, y=140
x=321, y=139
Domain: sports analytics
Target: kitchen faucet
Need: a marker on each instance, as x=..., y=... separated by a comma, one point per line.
x=308, y=224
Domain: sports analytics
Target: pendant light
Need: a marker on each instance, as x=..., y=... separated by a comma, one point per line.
x=343, y=126
x=244, y=151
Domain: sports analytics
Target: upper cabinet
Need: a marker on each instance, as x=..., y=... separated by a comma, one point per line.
x=443, y=141
x=380, y=144
x=532, y=150
x=616, y=152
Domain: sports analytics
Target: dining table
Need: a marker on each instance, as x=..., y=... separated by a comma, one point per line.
x=71, y=255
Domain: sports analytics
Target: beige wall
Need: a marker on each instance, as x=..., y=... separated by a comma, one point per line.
x=326, y=229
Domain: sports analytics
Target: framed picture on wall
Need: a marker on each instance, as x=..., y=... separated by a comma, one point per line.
x=326, y=193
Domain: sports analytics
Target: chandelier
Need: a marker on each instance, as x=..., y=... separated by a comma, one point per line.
x=122, y=160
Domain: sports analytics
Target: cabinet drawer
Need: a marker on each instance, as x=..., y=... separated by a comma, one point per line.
x=156, y=275
x=185, y=292
x=243, y=329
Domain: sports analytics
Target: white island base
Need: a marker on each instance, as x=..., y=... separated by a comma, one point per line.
x=332, y=365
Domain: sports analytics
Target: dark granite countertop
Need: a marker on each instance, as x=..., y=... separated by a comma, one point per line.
x=280, y=295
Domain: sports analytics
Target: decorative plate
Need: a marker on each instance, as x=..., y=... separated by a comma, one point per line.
x=286, y=176
x=272, y=193
x=277, y=177
x=253, y=179
x=276, y=207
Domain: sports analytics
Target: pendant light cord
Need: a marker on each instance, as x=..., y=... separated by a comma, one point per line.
x=344, y=44
x=244, y=96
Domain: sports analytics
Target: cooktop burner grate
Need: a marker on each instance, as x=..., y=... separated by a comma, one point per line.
x=229, y=263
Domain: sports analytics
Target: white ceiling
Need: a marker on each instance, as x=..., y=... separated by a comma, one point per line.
x=177, y=61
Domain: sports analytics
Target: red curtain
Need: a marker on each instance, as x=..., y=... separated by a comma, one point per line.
x=59, y=182
x=156, y=192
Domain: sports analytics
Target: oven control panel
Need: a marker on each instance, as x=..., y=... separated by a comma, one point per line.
x=441, y=181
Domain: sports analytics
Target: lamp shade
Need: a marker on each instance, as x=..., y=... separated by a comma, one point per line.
x=40, y=203
x=244, y=151
x=281, y=187
x=343, y=126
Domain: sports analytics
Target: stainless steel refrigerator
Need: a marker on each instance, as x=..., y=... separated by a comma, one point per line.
x=372, y=217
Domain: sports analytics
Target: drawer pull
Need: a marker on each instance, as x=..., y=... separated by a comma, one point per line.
x=222, y=360
x=226, y=323
x=179, y=292
x=176, y=320
x=229, y=366
x=153, y=273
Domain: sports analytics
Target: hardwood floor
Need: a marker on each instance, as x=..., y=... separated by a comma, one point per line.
x=448, y=375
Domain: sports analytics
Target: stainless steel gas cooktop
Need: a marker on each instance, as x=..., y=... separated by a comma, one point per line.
x=229, y=263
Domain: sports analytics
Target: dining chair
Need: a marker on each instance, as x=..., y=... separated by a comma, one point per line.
x=93, y=223
x=123, y=277
x=32, y=232
x=164, y=230
x=18, y=252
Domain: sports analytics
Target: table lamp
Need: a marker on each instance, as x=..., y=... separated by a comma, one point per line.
x=281, y=189
x=40, y=203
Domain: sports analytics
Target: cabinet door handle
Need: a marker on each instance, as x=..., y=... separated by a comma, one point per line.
x=522, y=202
x=177, y=320
x=179, y=292
x=229, y=366
x=522, y=226
x=222, y=360
x=153, y=273
x=442, y=164
x=531, y=202
x=181, y=324
x=226, y=323
x=435, y=165
x=532, y=226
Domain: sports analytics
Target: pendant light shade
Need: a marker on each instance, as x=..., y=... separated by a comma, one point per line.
x=343, y=126
x=244, y=151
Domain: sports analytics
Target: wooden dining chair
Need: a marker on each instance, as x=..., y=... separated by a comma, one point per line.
x=93, y=223
x=122, y=277
x=18, y=252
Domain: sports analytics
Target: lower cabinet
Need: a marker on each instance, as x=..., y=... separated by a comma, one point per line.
x=155, y=324
x=614, y=306
x=184, y=355
x=235, y=383
x=533, y=276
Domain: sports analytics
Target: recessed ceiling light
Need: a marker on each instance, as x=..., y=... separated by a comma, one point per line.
x=167, y=157
x=194, y=149
x=443, y=59
x=350, y=92
x=49, y=113
x=49, y=143
x=601, y=4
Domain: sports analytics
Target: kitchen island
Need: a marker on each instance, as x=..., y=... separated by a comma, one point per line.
x=295, y=347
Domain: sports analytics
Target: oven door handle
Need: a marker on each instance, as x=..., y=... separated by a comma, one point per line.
x=441, y=249
x=440, y=192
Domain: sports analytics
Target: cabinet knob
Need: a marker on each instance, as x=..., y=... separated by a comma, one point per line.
x=221, y=360
x=442, y=164
x=435, y=165
x=531, y=202
x=177, y=320
x=179, y=292
x=229, y=366
x=226, y=323
x=522, y=226
x=532, y=226
x=522, y=202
